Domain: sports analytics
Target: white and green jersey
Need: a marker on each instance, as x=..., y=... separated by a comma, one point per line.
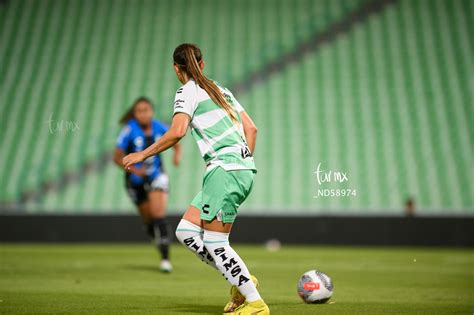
x=220, y=141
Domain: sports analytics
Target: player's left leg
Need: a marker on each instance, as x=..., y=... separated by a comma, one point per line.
x=158, y=200
x=189, y=232
x=144, y=210
x=223, y=192
x=139, y=197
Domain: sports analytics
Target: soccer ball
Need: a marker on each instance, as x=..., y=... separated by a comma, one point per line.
x=315, y=287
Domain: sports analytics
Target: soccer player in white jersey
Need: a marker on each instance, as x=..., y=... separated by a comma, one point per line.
x=226, y=137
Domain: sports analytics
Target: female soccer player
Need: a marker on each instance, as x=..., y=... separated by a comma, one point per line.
x=147, y=183
x=226, y=137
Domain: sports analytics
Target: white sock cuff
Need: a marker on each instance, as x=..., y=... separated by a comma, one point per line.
x=212, y=237
x=186, y=226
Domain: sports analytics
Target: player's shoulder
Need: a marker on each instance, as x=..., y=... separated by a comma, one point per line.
x=132, y=128
x=125, y=130
x=227, y=94
x=189, y=88
x=125, y=133
x=186, y=96
x=127, y=127
x=220, y=86
x=132, y=124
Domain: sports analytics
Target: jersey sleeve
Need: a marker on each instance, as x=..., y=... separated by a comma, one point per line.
x=124, y=138
x=185, y=100
x=237, y=105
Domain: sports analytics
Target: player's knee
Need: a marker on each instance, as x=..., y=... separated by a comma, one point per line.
x=186, y=230
x=215, y=242
x=161, y=231
x=179, y=235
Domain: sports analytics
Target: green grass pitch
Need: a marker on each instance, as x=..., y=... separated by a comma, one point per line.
x=124, y=279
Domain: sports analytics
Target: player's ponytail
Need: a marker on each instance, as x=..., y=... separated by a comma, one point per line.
x=129, y=114
x=188, y=57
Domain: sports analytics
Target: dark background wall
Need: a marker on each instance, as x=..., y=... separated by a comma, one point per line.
x=330, y=230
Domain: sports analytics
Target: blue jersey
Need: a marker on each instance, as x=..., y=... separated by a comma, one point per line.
x=133, y=139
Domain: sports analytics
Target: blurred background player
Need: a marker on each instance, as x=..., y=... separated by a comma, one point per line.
x=410, y=207
x=226, y=137
x=147, y=182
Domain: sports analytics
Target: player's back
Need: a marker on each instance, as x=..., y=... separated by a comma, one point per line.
x=220, y=140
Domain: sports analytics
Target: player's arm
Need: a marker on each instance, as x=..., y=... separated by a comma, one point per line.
x=178, y=153
x=178, y=129
x=250, y=130
x=118, y=156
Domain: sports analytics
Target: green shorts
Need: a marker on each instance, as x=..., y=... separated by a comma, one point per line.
x=222, y=193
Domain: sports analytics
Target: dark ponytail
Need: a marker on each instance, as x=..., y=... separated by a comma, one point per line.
x=188, y=57
x=129, y=114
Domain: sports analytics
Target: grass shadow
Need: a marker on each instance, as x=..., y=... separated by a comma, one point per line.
x=196, y=308
x=143, y=267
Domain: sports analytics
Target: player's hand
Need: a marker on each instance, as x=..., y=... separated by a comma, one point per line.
x=132, y=158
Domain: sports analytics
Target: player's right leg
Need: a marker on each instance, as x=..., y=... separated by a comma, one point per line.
x=236, y=298
x=144, y=210
x=158, y=200
x=153, y=219
x=245, y=298
x=190, y=233
x=138, y=196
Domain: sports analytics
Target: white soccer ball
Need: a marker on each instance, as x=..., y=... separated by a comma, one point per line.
x=315, y=287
